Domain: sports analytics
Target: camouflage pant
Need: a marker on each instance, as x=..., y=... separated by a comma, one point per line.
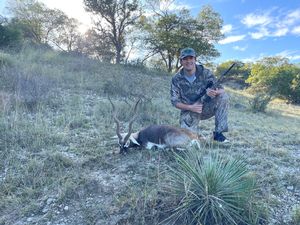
x=217, y=107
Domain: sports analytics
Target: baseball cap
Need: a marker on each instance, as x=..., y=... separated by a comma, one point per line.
x=187, y=52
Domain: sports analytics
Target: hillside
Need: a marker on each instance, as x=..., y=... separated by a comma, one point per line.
x=58, y=160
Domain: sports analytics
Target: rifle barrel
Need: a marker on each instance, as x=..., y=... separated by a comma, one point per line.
x=233, y=64
x=203, y=93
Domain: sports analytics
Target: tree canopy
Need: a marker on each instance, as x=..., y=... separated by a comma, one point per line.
x=277, y=77
x=167, y=32
x=115, y=17
x=9, y=35
x=42, y=25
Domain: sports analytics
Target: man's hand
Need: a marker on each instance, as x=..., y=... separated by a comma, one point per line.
x=213, y=93
x=196, y=107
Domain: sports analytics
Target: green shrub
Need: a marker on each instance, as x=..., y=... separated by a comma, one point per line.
x=10, y=36
x=294, y=95
x=259, y=103
x=33, y=90
x=240, y=71
x=210, y=190
x=276, y=77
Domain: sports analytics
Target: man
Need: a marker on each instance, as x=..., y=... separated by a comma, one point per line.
x=186, y=87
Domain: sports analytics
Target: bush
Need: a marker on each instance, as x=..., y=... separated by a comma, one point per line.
x=27, y=87
x=240, y=71
x=294, y=95
x=9, y=36
x=210, y=190
x=33, y=90
x=276, y=77
x=259, y=103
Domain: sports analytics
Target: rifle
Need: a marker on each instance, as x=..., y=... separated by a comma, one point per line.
x=203, y=97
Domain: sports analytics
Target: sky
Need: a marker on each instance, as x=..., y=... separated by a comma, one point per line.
x=253, y=29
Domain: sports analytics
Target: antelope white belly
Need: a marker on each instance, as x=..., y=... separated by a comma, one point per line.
x=150, y=145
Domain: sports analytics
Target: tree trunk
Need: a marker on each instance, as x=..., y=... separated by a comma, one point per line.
x=118, y=56
x=169, y=63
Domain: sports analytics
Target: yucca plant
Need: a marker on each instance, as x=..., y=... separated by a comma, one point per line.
x=210, y=190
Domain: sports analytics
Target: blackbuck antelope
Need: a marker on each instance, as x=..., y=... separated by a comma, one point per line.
x=160, y=136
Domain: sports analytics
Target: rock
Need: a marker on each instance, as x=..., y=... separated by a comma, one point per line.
x=45, y=210
x=290, y=188
x=49, y=201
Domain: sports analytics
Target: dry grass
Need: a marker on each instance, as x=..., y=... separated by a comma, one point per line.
x=57, y=163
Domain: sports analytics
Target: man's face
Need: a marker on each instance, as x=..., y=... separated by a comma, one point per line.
x=188, y=63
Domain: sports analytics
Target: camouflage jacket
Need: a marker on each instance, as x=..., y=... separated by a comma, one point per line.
x=185, y=92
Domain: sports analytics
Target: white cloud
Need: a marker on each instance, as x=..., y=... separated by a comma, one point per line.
x=292, y=17
x=291, y=55
x=296, y=30
x=172, y=5
x=254, y=58
x=232, y=39
x=226, y=29
x=249, y=60
x=281, y=32
x=261, y=33
x=272, y=23
x=285, y=53
x=294, y=57
x=252, y=19
x=239, y=48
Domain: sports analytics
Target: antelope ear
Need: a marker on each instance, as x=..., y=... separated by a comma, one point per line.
x=133, y=138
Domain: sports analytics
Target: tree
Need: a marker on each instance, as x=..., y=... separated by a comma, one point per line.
x=67, y=35
x=277, y=77
x=10, y=36
x=96, y=46
x=42, y=25
x=264, y=73
x=209, y=30
x=52, y=22
x=28, y=16
x=169, y=31
x=162, y=36
x=116, y=17
x=211, y=23
x=240, y=71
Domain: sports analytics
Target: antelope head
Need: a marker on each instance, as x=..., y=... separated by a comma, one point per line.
x=125, y=139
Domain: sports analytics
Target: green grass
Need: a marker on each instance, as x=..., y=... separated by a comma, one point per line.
x=296, y=215
x=56, y=148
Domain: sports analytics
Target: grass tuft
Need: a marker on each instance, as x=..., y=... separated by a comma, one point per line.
x=210, y=190
x=296, y=215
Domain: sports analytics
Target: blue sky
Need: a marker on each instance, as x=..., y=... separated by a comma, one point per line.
x=253, y=28
x=257, y=28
